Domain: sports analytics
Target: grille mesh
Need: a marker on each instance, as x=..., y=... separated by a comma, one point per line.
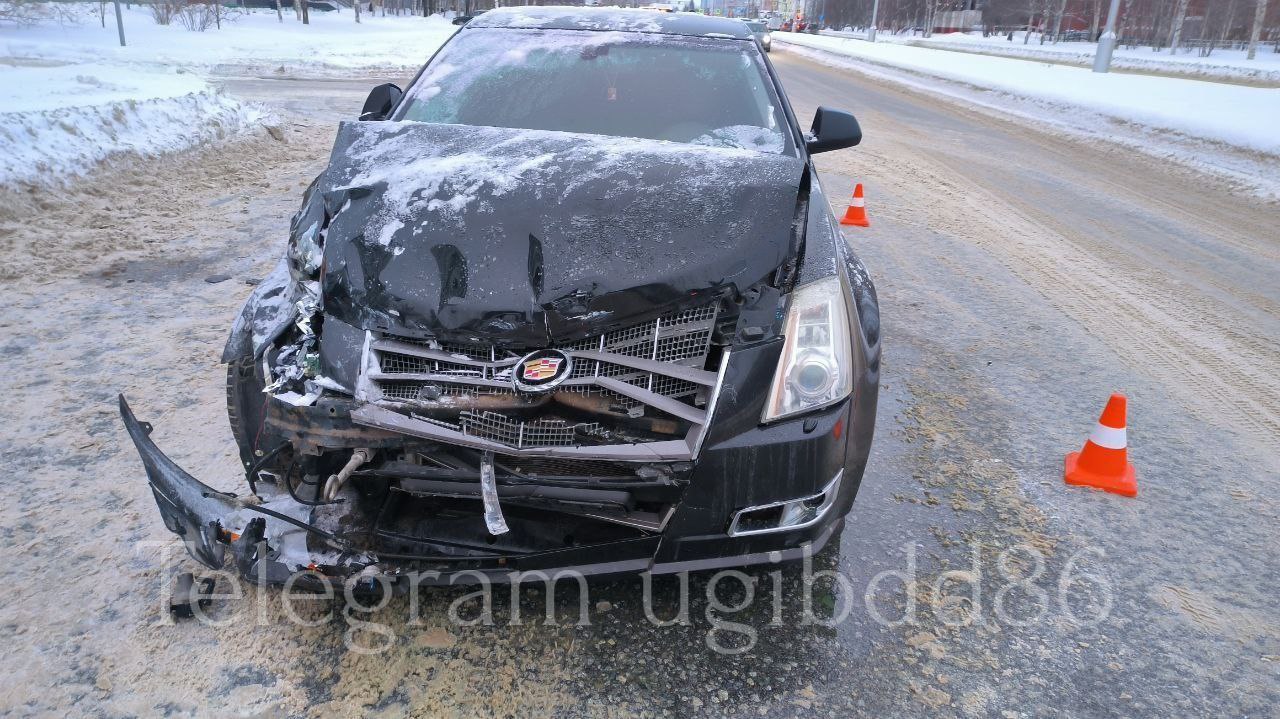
x=682, y=338
x=543, y=432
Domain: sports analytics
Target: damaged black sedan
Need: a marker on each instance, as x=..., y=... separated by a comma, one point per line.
x=574, y=300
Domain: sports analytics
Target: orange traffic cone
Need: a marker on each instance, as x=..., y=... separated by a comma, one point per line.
x=857, y=212
x=1104, y=461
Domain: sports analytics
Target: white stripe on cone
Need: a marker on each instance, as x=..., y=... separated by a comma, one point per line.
x=1109, y=437
x=858, y=202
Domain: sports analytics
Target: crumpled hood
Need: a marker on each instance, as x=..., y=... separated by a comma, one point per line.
x=527, y=237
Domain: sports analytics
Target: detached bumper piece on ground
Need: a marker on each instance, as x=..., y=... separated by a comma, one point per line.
x=634, y=341
x=190, y=595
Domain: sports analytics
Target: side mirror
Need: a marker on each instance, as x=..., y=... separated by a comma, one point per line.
x=381, y=101
x=833, y=130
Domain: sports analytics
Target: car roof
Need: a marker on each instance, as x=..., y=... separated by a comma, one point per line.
x=617, y=19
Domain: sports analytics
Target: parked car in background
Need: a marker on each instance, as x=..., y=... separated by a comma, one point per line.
x=464, y=19
x=760, y=29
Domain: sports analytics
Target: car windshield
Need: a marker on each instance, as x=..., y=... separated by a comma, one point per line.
x=757, y=26
x=661, y=87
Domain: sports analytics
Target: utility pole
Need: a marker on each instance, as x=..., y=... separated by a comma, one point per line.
x=875, y=11
x=1107, y=43
x=119, y=22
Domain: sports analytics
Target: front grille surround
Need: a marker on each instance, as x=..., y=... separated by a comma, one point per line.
x=654, y=365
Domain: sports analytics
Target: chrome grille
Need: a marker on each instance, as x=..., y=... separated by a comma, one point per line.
x=413, y=374
x=544, y=432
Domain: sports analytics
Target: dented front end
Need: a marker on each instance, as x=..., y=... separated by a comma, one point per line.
x=408, y=404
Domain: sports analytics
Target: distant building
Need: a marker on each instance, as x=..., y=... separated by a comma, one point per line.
x=730, y=8
x=957, y=20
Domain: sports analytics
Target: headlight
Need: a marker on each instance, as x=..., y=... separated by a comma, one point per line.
x=815, y=368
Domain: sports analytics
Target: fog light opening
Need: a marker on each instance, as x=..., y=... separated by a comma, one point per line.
x=785, y=516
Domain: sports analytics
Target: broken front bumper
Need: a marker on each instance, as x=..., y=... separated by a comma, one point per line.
x=272, y=540
x=741, y=465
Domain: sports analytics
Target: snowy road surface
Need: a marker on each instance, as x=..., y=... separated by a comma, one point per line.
x=1022, y=278
x=1228, y=132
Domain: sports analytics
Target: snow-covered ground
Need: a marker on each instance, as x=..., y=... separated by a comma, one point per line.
x=71, y=97
x=62, y=121
x=1222, y=64
x=1235, y=115
x=333, y=43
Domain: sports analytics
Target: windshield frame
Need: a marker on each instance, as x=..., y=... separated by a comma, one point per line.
x=793, y=136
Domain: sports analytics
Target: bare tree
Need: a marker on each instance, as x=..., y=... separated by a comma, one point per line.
x=30, y=12
x=164, y=11
x=1057, y=20
x=1225, y=30
x=1179, y=18
x=1259, y=15
x=1032, y=8
x=1125, y=26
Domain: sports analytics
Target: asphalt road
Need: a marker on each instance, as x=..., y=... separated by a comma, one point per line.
x=1022, y=277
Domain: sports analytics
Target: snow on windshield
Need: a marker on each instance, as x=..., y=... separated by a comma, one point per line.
x=613, y=19
x=748, y=137
x=622, y=84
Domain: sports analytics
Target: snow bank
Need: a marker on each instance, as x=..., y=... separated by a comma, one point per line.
x=71, y=97
x=56, y=122
x=1240, y=116
x=1223, y=64
x=332, y=44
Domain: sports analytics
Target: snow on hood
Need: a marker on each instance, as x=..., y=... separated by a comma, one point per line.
x=480, y=230
x=441, y=170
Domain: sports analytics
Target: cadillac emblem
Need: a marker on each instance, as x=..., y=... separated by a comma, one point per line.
x=541, y=371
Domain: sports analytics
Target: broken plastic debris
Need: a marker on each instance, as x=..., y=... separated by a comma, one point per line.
x=493, y=518
x=306, y=309
x=330, y=383
x=188, y=595
x=302, y=400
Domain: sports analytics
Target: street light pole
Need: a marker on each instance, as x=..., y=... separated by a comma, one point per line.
x=119, y=23
x=875, y=11
x=1107, y=43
